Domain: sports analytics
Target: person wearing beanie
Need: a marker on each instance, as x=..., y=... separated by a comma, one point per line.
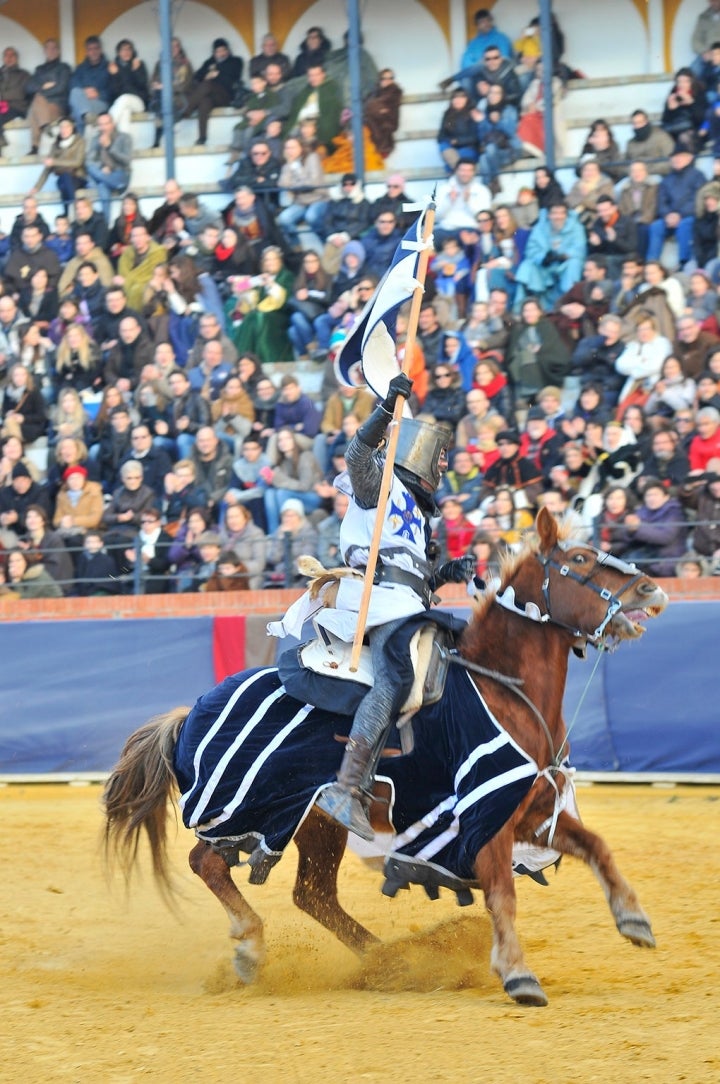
x=512, y=471
x=293, y=505
x=78, y=507
x=313, y=50
x=77, y=468
x=214, y=85
x=540, y=443
x=15, y=500
x=294, y=537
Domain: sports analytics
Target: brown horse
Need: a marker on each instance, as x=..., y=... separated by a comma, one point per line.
x=556, y=596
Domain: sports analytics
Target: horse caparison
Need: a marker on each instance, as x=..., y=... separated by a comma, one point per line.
x=581, y=596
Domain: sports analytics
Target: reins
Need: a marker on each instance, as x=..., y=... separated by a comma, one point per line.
x=514, y=685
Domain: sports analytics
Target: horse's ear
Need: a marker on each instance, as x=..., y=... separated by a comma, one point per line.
x=547, y=528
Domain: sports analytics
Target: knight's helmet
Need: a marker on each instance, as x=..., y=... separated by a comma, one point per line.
x=420, y=447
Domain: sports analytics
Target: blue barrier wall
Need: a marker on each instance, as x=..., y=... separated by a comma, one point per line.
x=72, y=691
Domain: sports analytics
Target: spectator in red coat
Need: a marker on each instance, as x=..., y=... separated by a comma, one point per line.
x=540, y=443
x=706, y=444
x=455, y=532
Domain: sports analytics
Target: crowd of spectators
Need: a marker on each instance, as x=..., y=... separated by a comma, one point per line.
x=578, y=369
x=80, y=119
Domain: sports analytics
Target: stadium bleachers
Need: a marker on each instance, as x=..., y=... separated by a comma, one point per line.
x=199, y=169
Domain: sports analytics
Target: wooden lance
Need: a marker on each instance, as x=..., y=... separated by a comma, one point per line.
x=387, y=475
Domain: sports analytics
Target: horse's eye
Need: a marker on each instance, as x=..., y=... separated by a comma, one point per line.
x=580, y=559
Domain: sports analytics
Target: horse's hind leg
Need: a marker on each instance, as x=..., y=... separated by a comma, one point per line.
x=493, y=869
x=245, y=926
x=321, y=844
x=571, y=837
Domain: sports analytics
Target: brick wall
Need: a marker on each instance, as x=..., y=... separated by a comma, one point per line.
x=271, y=603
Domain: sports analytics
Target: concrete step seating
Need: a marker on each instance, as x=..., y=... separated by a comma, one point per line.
x=199, y=169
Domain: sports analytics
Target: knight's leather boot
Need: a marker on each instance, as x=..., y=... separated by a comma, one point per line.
x=346, y=801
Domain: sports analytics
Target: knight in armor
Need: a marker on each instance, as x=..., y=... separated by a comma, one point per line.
x=403, y=584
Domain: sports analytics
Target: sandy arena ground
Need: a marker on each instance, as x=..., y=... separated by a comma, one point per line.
x=100, y=988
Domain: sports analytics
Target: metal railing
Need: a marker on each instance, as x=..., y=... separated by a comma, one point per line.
x=138, y=581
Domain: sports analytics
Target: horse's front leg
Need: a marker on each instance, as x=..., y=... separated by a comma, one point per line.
x=571, y=837
x=321, y=844
x=245, y=925
x=493, y=869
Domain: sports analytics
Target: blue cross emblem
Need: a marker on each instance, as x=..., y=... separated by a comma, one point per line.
x=408, y=517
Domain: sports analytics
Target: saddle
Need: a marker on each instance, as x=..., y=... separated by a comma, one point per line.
x=318, y=672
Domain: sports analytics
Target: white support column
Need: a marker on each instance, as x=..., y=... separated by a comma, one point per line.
x=656, y=37
x=261, y=24
x=458, y=34
x=66, y=12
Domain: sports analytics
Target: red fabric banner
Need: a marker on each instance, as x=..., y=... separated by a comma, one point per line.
x=228, y=646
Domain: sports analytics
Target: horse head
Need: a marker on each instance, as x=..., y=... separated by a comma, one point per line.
x=589, y=593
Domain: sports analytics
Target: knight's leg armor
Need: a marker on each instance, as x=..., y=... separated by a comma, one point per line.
x=348, y=800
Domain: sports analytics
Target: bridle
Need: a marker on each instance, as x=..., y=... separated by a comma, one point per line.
x=549, y=563
x=602, y=560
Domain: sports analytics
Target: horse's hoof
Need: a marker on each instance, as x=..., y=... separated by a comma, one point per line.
x=637, y=930
x=525, y=990
x=247, y=963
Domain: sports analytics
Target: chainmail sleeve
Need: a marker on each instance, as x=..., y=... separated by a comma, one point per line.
x=365, y=468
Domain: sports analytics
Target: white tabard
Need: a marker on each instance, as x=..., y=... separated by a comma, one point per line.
x=402, y=544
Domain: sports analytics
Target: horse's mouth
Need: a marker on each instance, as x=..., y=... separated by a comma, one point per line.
x=629, y=624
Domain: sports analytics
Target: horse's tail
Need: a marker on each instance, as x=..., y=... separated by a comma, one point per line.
x=137, y=794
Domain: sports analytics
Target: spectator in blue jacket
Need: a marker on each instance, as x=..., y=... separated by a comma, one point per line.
x=676, y=206
x=90, y=92
x=380, y=243
x=456, y=352
x=486, y=34
x=295, y=410
x=554, y=256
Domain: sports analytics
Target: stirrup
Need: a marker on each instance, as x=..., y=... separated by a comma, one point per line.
x=401, y=871
x=346, y=807
x=260, y=863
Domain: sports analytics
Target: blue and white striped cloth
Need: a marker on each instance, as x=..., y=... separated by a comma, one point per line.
x=250, y=761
